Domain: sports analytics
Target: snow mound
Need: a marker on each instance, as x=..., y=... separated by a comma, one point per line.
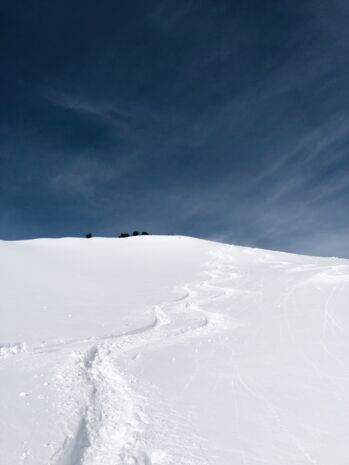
x=6, y=350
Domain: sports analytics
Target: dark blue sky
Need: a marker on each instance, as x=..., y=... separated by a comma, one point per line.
x=220, y=119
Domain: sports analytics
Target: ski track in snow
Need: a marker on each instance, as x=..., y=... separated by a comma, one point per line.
x=112, y=420
x=107, y=419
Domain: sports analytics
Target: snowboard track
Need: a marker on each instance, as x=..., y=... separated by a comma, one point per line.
x=110, y=428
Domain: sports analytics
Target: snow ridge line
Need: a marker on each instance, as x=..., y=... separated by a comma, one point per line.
x=112, y=420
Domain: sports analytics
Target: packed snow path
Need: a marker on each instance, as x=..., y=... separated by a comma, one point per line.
x=243, y=362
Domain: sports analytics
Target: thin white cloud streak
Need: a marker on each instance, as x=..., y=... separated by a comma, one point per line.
x=329, y=187
x=311, y=147
x=109, y=113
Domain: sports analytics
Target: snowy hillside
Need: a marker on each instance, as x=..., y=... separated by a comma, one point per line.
x=171, y=351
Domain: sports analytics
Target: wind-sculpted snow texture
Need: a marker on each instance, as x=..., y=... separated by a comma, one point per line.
x=171, y=351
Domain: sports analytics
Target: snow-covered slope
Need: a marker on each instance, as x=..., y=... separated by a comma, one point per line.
x=170, y=351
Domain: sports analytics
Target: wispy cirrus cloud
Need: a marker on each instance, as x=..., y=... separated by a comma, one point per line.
x=109, y=113
x=214, y=119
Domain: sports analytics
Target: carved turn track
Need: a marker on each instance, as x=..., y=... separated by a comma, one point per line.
x=111, y=424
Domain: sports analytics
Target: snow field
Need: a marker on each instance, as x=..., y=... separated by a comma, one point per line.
x=172, y=350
